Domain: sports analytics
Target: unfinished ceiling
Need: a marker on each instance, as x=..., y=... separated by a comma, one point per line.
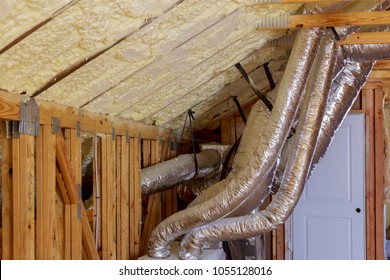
x=142, y=60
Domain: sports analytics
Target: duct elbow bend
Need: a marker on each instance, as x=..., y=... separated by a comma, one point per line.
x=158, y=247
x=191, y=246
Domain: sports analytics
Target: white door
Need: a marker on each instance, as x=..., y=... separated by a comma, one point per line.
x=329, y=221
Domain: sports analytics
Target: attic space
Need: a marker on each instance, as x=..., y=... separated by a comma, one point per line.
x=195, y=129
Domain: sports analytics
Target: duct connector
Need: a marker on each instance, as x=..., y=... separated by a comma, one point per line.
x=297, y=169
x=238, y=187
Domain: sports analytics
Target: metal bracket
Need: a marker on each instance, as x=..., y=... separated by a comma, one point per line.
x=113, y=134
x=79, y=191
x=127, y=137
x=8, y=129
x=78, y=129
x=139, y=138
x=55, y=125
x=78, y=211
x=29, y=117
x=15, y=129
x=173, y=144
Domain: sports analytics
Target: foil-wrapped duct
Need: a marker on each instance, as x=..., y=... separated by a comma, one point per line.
x=344, y=91
x=257, y=118
x=321, y=8
x=240, y=186
x=367, y=52
x=165, y=175
x=297, y=168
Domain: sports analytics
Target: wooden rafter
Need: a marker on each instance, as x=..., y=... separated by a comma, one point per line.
x=334, y=20
x=367, y=38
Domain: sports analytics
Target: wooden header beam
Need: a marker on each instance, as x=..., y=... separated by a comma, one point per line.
x=330, y=20
x=89, y=122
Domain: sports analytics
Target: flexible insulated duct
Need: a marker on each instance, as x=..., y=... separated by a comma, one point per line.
x=297, y=169
x=165, y=175
x=368, y=52
x=240, y=186
x=257, y=118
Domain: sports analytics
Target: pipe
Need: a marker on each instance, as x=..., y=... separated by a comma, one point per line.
x=239, y=186
x=297, y=169
x=165, y=175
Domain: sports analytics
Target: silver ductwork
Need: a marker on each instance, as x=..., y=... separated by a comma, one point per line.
x=297, y=170
x=240, y=186
x=165, y=175
x=207, y=223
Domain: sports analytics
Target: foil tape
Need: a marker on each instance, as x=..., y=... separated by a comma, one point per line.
x=239, y=186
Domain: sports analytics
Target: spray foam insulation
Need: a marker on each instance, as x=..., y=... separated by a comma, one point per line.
x=156, y=59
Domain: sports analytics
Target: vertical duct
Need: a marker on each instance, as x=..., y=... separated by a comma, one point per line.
x=297, y=169
x=240, y=186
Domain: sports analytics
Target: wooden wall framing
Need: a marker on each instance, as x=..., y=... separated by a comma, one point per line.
x=42, y=211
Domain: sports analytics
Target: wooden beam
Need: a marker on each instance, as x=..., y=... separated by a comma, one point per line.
x=379, y=174
x=124, y=200
x=45, y=194
x=89, y=122
x=368, y=107
x=367, y=38
x=61, y=185
x=74, y=151
x=108, y=198
x=25, y=209
x=118, y=204
x=16, y=248
x=135, y=198
x=382, y=65
x=66, y=169
x=333, y=20
x=69, y=178
x=6, y=205
x=379, y=74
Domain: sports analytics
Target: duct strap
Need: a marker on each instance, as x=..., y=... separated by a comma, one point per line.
x=191, y=117
x=253, y=86
x=239, y=109
x=29, y=117
x=269, y=76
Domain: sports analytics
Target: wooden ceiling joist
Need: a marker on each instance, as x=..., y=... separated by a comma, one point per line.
x=380, y=74
x=367, y=38
x=286, y=21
